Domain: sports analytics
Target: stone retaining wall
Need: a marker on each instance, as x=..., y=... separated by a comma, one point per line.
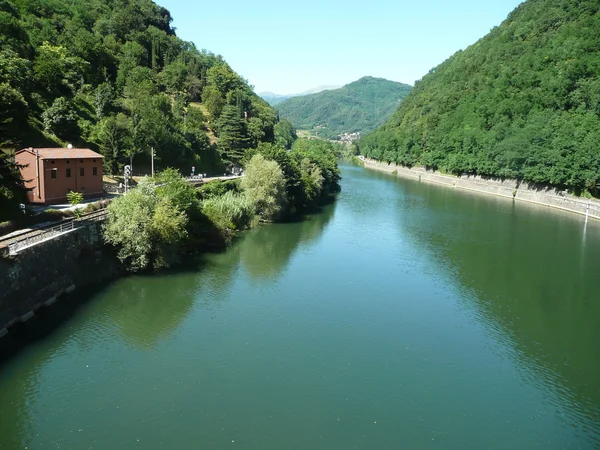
x=37, y=276
x=529, y=192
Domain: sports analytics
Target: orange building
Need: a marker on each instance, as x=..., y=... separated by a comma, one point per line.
x=51, y=173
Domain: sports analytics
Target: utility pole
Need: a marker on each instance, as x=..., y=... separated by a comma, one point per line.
x=127, y=174
x=152, y=153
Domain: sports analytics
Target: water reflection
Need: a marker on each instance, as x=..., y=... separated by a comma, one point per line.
x=530, y=278
x=265, y=252
x=147, y=309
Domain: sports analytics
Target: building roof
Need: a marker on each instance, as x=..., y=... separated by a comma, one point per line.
x=62, y=153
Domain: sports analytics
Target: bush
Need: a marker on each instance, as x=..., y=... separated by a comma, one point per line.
x=264, y=185
x=217, y=188
x=146, y=227
x=230, y=211
x=74, y=198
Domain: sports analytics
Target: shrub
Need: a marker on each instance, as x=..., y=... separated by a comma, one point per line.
x=216, y=188
x=75, y=198
x=264, y=185
x=230, y=211
x=147, y=228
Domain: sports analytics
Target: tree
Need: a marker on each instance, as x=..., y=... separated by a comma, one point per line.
x=61, y=119
x=264, y=185
x=233, y=135
x=13, y=108
x=12, y=188
x=103, y=99
x=12, y=34
x=173, y=186
x=146, y=227
x=174, y=77
x=114, y=139
x=295, y=194
x=285, y=134
x=312, y=179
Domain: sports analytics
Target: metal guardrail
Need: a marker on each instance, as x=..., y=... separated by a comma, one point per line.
x=44, y=234
x=195, y=178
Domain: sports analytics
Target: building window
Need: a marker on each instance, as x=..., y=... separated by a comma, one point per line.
x=81, y=161
x=53, y=174
x=93, y=160
x=52, y=162
x=68, y=172
x=81, y=172
x=95, y=171
x=68, y=161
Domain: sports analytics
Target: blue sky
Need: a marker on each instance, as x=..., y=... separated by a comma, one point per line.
x=290, y=47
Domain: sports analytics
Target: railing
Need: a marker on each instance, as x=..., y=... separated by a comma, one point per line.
x=45, y=234
x=195, y=178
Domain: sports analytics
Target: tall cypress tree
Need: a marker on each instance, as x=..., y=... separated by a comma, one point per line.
x=233, y=135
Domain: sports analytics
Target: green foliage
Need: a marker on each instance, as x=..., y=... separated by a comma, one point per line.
x=229, y=211
x=12, y=188
x=112, y=136
x=310, y=171
x=113, y=76
x=217, y=188
x=360, y=106
x=61, y=119
x=264, y=185
x=523, y=102
x=233, y=135
x=312, y=179
x=285, y=134
x=146, y=226
x=74, y=198
x=324, y=156
x=172, y=185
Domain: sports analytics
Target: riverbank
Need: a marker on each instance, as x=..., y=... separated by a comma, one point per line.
x=514, y=189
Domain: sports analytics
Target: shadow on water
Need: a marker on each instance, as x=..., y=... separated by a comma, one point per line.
x=529, y=276
x=136, y=299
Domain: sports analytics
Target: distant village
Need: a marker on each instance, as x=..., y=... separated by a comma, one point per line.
x=349, y=137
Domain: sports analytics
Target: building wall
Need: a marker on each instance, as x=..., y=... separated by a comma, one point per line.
x=88, y=184
x=29, y=174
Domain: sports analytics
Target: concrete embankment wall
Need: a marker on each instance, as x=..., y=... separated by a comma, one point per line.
x=528, y=192
x=37, y=276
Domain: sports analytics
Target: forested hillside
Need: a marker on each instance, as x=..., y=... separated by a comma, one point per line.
x=112, y=75
x=523, y=102
x=359, y=106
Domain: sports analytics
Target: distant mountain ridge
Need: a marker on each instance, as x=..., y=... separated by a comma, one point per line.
x=273, y=99
x=358, y=107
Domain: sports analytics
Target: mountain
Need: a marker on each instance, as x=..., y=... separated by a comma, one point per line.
x=316, y=90
x=357, y=107
x=274, y=99
x=112, y=75
x=523, y=102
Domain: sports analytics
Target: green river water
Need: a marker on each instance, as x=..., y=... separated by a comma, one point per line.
x=404, y=316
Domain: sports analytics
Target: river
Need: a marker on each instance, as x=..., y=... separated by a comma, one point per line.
x=406, y=315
